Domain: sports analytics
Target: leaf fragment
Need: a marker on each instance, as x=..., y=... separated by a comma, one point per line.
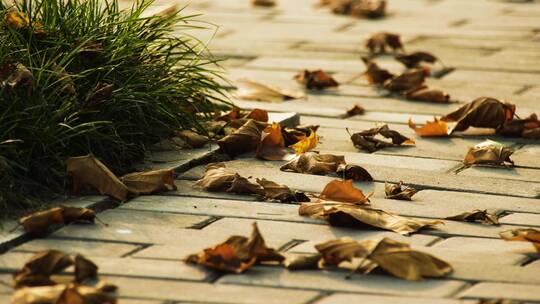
x=40, y=267
x=252, y=90
x=315, y=79
x=424, y=93
x=314, y=163
x=149, y=182
x=237, y=253
x=406, y=81
x=353, y=172
x=480, y=216
x=217, y=177
x=193, y=139
x=412, y=60
x=272, y=144
x=296, y=134
x=279, y=192
x=264, y=3
x=396, y=191
x=366, y=139
x=245, y=139
x=433, y=128
x=38, y=223
x=257, y=114
x=371, y=9
x=520, y=127
x=311, y=261
x=488, y=153
x=306, y=144
x=84, y=269
x=344, y=191
x=89, y=171
x=523, y=235
x=355, y=110
x=378, y=42
x=375, y=74
x=483, y=112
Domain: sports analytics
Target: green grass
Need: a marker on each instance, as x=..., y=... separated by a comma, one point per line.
x=161, y=82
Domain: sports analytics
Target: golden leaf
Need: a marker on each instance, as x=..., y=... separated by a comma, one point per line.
x=150, y=181
x=272, y=144
x=481, y=216
x=306, y=144
x=17, y=20
x=344, y=191
x=523, y=235
x=431, y=128
x=489, y=153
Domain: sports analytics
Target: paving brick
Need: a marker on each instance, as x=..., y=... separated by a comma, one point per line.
x=5, y=288
x=524, y=292
x=524, y=219
x=449, y=254
x=204, y=292
x=119, y=217
x=485, y=244
x=535, y=264
x=524, y=174
x=339, y=298
x=528, y=156
x=277, y=232
x=105, y=249
x=482, y=272
x=335, y=281
x=495, y=77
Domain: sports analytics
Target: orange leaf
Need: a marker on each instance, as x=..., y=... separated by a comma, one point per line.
x=344, y=191
x=306, y=144
x=272, y=144
x=258, y=114
x=431, y=128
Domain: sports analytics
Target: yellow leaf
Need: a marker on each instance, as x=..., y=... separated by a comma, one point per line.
x=431, y=128
x=17, y=20
x=306, y=144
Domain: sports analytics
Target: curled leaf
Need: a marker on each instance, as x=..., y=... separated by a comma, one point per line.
x=233, y=114
x=353, y=172
x=311, y=261
x=519, y=127
x=150, y=181
x=366, y=140
x=314, y=163
x=296, y=134
x=378, y=42
x=344, y=191
x=38, y=223
x=523, y=235
x=359, y=8
x=236, y=254
x=84, y=269
x=252, y=90
x=282, y=193
x=424, y=93
x=257, y=114
x=433, y=128
x=480, y=216
x=89, y=171
x=483, y=112
x=40, y=267
x=306, y=144
x=406, y=81
x=317, y=79
x=489, y=153
x=217, y=177
x=412, y=60
x=375, y=74
x=335, y=252
x=398, y=192
x=193, y=139
x=355, y=110
x=272, y=144
x=245, y=139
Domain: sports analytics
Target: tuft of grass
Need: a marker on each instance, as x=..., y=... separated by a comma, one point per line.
x=84, y=76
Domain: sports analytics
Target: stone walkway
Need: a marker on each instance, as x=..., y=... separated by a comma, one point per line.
x=494, y=48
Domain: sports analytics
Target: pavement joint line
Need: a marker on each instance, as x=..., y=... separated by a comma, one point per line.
x=320, y=296
x=205, y=223
x=135, y=250
x=523, y=89
x=290, y=244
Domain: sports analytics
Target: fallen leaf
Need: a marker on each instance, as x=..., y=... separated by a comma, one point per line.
x=63, y=294
x=354, y=215
x=217, y=177
x=296, y=134
x=378, y=42
x=355, y=110
x=89, y=171
x=252, y=90
x=14, y=74
x=436, y=127
x=424, y=93
x=245, y=139
x=233, y=114
x=406, y=81
x=311, y=261
x=16, y=19
x=375, y=74
x=257, y=114
x=38, y=223
x=99, y=94
x=412, y=60
x=84, y=269
x=316, y=79
x=344, y=191
x=358, y=8
x=366, y=140
x=306, y=144
x=272, y=144
x=236, y=254
x=40, y=267
x=334, y=252
x=483, y=112
x=489, y=153
x=314, y=163
x=480, y=216
x=353, y=172
x=150, y=182
x=395, y=191
x=519, y=127
x=532, y=133
x=264, y=3
x=193, y=139
x=242, y=185
x=282, y=193
x=523, y=235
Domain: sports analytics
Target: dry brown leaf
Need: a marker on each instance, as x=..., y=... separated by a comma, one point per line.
x=257, y=114
x=366, y=140
x=488, y=153
x=412, y=60
x=306, y=144
x=375, y=74
x=433, y=128
x=217, y=177
x=63, y=294
x=532, y=133
x=354, y=215
x=264, y=3
x=193, y=139
x=89, y=171
x=371, y=9
x=344, y=191
x=84, y=269
x=150, y=181
x=314, y=163
x=296, y=134
x=406, y=81
x=316, y=79
x=282, y=193
x=242, y=185
x=237, y=253
x=252, y=90
x=480, y=216
x=40, y=267
x=483, y=112
x=353, y=172
x=38, y=223
x=519, y=127
x=345, y=249
x=355, y=110
x=99, y=94
x=424, y=93
x=378, y=42
x=311, y=261
x=272, y=144
x=233, y=114
x=13, y=74
x=523, y=235
x=396, y=191
x=243, y=140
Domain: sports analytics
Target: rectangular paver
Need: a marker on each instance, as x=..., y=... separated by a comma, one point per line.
x=523, y=292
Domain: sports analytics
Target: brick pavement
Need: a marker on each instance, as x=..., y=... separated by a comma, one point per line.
x=493, y=46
